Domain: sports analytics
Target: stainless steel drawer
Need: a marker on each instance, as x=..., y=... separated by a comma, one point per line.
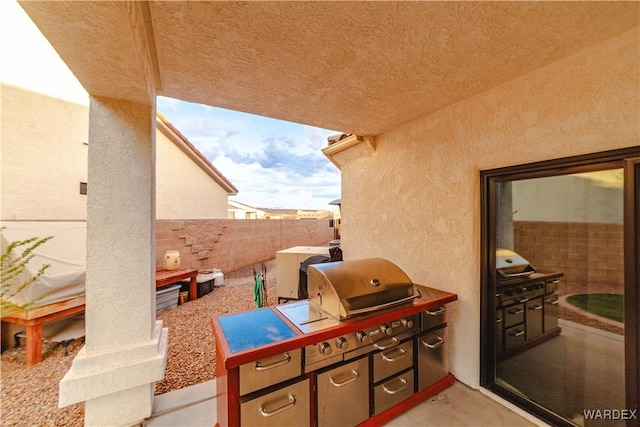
x=393, y=391
x=550, y=312
x=551, y=286
x=343, y=395
x=433, y=317
x=514, y=336
x=392, y=361
x=513, y=315
x=287, y=406
x=432, y=358
x=270, y=371
x=534, y=318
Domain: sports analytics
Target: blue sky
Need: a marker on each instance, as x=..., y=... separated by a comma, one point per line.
x=273, y=163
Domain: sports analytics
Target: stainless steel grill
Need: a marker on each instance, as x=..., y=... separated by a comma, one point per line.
x=511, y=264
x=348, y=288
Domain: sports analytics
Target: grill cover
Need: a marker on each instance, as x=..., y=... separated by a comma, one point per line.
x=347, y=288
x=511, y=264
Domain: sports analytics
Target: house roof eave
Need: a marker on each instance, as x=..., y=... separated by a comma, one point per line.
x=190, y=150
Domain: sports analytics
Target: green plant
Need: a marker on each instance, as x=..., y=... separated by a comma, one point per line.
x=13, y=262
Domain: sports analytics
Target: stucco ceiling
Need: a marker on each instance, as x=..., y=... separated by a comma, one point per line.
x=356, y=67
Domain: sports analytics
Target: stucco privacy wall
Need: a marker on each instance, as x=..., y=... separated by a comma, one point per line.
x=416, y=199
x=588, y=253
x=232, y=244
x=44, y=156
x=183, y=190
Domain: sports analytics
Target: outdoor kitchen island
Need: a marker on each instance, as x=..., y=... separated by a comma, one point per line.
x=272, y=368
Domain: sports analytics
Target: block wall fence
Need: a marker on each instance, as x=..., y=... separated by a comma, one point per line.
x=587, y=253
x=231, y=244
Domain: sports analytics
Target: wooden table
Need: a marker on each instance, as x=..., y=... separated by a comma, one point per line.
x=167, y=277
x=33, y=320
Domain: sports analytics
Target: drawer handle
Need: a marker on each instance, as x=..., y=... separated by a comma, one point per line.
x=555, y=302
x=516, y=311
x=437, y=311
x=524, y=299
x=403, y=385
x=402, y=352
x=536, y=308
x=348, y=380
x=394, y=341
x=555, y=282
x=517, y=333
x=498, y=320
x=258, y=367
x=436, y=344
x=291, y=403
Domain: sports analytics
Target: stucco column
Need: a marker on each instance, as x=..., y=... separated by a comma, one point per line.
x=125, y=348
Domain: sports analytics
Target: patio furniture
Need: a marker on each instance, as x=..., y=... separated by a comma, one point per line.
x=33, y=320
x=168, y=277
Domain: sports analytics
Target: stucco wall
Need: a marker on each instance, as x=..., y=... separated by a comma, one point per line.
x=416, y=199
x=569, y=199
x=183, y=190
x=43, y=156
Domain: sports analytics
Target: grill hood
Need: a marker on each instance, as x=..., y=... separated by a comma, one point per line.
x=511, y=264
x=348, y=288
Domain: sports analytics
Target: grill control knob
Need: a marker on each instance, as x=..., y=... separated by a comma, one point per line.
x=325, y=348
x=342, y=343
x=408, y=323
x=386, y=329
x=362, y=336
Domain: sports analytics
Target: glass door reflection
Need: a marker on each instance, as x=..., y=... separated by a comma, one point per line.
x=559, y=325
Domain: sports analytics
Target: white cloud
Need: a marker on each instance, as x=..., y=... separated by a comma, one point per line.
x=274, y=164
x=167, y=104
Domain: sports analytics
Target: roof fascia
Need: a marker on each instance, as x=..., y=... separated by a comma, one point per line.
x=192, y=152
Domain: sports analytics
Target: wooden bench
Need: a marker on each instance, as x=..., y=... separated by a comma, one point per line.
x=33, y=320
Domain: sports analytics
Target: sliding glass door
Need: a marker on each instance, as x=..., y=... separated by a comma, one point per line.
x=555, y=282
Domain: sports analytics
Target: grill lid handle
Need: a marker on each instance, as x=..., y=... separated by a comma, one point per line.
x=416, y=294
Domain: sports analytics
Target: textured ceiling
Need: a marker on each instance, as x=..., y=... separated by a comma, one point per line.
x=356, y=67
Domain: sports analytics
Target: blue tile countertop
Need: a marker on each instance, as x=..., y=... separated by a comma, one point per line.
x=253, y=329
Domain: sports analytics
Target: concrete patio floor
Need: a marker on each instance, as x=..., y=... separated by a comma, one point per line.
x=458, y=406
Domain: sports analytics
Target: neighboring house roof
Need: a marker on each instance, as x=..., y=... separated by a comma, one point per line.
x=239, y=205
x=269, y=213
x=190, y=150
x=280, y=211
x=296, y=213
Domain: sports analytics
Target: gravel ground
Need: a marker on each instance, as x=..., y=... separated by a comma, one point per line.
x=29, y=395
x=191, y=359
